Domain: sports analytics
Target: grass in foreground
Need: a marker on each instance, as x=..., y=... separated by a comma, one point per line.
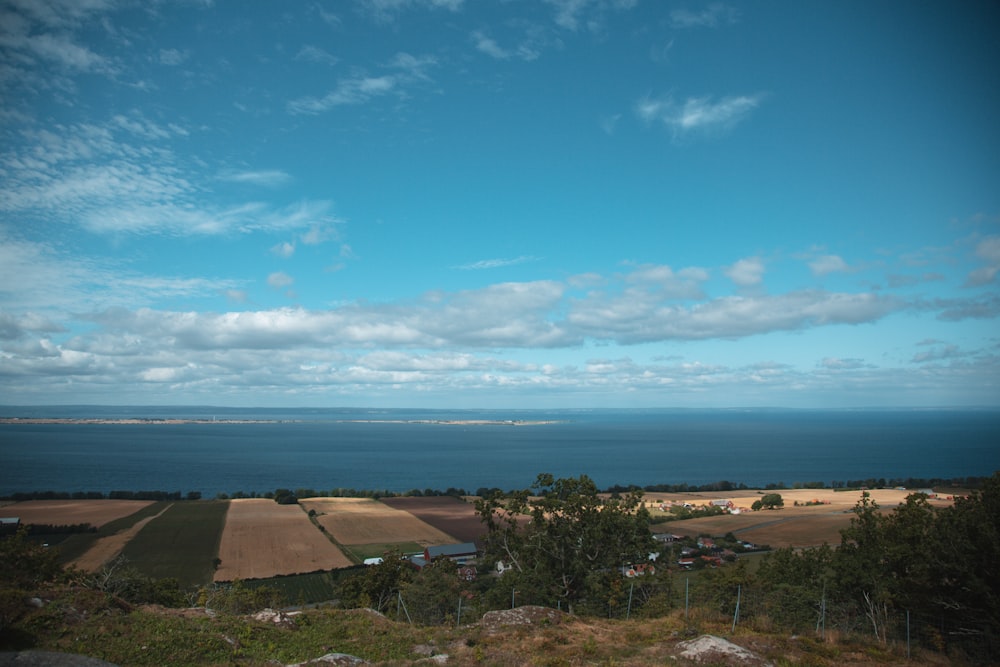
x=84, y=622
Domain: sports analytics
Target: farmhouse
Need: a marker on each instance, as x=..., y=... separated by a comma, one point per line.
x=460, y=554
x=9, y=525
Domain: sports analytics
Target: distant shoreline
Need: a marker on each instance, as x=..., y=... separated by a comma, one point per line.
x=156, y=421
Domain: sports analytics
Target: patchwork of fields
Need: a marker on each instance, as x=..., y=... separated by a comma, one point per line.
x=262, y=539
x=199, y=542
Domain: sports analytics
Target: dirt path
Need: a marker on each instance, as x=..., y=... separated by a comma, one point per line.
x=106, y=548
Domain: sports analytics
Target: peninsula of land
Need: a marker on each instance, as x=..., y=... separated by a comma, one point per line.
x=138, y=420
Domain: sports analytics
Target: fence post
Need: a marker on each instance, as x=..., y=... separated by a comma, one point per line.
x=736, y=615
x=687, y=597
x=907, y=634
x=405, y=610
x=458, y=621
x=628, y=612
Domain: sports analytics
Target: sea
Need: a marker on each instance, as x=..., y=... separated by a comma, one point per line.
x=257, y=450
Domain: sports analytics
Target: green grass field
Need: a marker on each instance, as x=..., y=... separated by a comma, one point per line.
x=305, y=589
x=76, y=545
x=182, y=543
x=362, y=551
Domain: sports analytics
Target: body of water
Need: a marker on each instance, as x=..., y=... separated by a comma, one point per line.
x=330, y=449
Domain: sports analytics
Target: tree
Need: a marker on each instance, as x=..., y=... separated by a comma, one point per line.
x=379, y=585
x=772, y=500
x=24, y=567
x=556, y=534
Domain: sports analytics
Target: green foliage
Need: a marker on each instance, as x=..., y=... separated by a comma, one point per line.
x=377, y=586
x=796, y=584
x=432, y=595
x=238, y=598
x=772, y=501
x=560, y=531
x=24, y=566
x=119, y=580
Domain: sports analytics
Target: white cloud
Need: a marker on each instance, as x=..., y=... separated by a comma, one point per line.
x=574, y=14
x=279, y=279
x=263, y=178
x=496, y=263
x=714, y=15
x=122, y=177
x=635, y=317
x=387, y=10
x=283, y=250
x=826, y=264
x=316, y=54
x=988, y=250
x=173, y=57
x=41, y=280
x=747, y=272
x=697, y=114
x=489, y=46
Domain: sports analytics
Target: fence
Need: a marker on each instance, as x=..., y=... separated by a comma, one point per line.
x=698, y=598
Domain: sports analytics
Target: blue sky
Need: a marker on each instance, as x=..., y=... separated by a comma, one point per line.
x=462, y=203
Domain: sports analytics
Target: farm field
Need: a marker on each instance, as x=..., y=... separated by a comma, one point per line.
x=263, y=539
x=70, y=512
x=181, y=543
x=106, y=548
x=788, y=527
x=360, y=521
x=450, y=515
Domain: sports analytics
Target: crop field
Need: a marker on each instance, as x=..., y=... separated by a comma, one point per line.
x=450, y=515
x=791, y=526
x=106, y=547
x=70, y=512
x=354, y=521
x=263, y=539
x=182, y=543
x=302, y=589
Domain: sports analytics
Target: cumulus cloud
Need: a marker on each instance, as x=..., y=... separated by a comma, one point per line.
x=987, y=250
x=747, y=272
x=279, y=279
x=826, y=264
x=633, y=320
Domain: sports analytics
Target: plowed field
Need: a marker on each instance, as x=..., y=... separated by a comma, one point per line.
x=71, y=512
x=364, y=521
x=450, y=515
x=264, y=539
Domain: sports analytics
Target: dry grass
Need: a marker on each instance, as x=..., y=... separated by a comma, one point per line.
x=71, y=512
x=354, y=521
x=264, y=539
x=788, y=527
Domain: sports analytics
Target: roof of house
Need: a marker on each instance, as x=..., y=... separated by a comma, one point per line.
x=451, y=550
